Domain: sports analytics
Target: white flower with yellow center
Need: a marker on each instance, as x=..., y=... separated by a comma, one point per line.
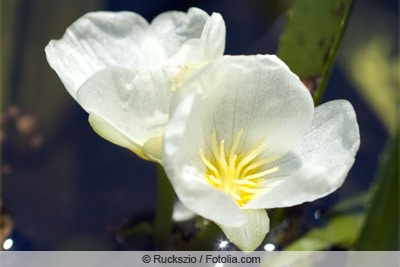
x=123, y=70
x=244, y=137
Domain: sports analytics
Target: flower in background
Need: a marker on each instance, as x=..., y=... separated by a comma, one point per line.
x=123, y=70
x=244, y=136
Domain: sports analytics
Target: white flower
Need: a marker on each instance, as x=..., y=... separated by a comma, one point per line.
x=244, y=137
x=122, y=70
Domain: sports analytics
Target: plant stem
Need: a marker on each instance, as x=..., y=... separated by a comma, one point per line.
x=164, y=209
x=328, y=65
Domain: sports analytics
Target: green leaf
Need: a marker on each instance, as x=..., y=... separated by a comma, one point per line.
x=375, y=73
x=341, y=230
x=311, y=38
x=381, y=228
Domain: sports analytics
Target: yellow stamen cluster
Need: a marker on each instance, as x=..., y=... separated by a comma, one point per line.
x=237, y=173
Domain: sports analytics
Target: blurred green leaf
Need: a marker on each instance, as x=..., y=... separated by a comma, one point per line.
x=341, y=230
x=8, y=22
x=375, y=73
x=350, y=204
x=139, y=231
x=381, y=228
x=371, y=59
x=311, y=38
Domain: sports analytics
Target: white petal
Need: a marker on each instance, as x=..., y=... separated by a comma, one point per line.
x=180, y=160
x=210, y=46
x=135, y=104
x=101, y=39
x=214, y=35
x=256, y=93
x=152, y=148
x=113, y=135
x=182, y=213
x=249, y=236
x=319, y=163
x=174, y=28
x=195, y=53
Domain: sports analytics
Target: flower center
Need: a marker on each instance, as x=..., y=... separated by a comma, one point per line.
x=240, y=174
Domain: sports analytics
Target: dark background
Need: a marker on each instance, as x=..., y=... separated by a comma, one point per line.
x=64, y=187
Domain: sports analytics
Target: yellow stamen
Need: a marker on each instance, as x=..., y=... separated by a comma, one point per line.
x=240, y=174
